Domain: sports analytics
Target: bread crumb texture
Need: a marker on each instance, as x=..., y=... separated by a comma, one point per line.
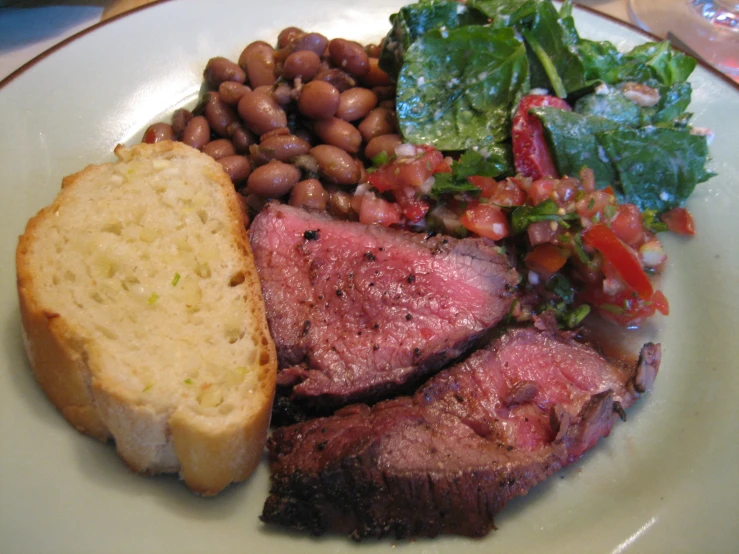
x=146, y=270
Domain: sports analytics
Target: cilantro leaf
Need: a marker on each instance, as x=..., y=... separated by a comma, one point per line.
x=523, y=216
x=496, y=164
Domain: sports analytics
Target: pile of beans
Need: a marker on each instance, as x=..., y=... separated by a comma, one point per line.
x=303, y=119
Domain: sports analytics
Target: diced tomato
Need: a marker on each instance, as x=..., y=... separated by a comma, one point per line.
x=486, y=220
x=679, y=220
x=546, y=260
x=374, y=209
x=621, y=256
x=594, y=203
x=503, y=193
x=540, y=190
x=540, y=232
x=626, y=308
x=414, y=208
x=530, y=152
x=410, y=171
x=627, y=224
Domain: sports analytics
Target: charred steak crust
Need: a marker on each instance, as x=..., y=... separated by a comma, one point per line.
x=449, y=458
x=361, y=312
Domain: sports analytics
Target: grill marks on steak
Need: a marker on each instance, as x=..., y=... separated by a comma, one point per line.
x=449, y=458
x=358, y=312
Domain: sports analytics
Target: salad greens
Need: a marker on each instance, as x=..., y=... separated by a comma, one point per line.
x=461, y=69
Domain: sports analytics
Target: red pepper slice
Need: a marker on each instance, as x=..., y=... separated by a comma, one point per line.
x=623, y=258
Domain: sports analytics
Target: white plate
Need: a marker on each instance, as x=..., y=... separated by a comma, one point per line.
x=665, y=481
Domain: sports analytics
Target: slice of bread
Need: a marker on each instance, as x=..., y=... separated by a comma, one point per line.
x=143, y=317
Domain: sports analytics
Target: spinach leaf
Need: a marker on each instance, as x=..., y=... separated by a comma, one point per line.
x=652, y=60
x=498, y=11
x=553, y=65
x=457, y=88
x=414, y=20
x=611, y=104
x=496, y=163
x=573, y=144
x=657, y=167
x=674, y=100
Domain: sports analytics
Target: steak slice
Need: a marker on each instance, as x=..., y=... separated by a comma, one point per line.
x=358, y=312
x=449, y=458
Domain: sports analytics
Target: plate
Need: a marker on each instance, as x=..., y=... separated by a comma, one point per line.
x=665, y=481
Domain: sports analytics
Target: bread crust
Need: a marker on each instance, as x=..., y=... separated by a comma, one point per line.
x=69, y=368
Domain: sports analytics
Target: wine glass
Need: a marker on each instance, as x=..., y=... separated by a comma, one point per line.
x=706, y=28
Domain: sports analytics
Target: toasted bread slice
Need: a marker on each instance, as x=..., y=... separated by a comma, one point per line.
x=143, y=318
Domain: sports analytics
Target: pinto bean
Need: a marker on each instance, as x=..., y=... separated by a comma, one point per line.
x=289, y=35
x=232, y=92
x=336, y=165
x=280, y=147
x=309, y=193
x=219, y=148
x=375, y=77
x=258, y=61
x=273, y=179
x=315, y=42
x=380, y=144
x=373, y=50
x=221, y=117
x=197, y=132
x=349, y=56
x=180, y=119
x=219, y=70
x=338, y=78
x=380, y=121
x=318, y=100
x=338, y=132
x=242, y=139
x=237, y=167
x=340, y=203
x=261, y=113
x=355, y=103
x=303, y=64
x=157, y=132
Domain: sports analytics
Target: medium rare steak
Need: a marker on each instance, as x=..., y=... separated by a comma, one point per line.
x=449, y=458
x=358, y=312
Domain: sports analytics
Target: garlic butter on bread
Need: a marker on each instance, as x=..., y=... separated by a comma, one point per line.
x=143, y=317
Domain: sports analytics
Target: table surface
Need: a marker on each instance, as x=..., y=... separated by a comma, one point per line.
x=29, y=27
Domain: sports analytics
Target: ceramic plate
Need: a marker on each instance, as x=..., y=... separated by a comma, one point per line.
x=665, y=481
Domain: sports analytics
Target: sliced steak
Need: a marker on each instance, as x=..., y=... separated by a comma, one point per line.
x=449, y=458
x=358, y=312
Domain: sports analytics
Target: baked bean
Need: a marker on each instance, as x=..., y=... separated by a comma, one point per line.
x=356, y=103
x=380, y=144
x=338, y=78
x=309, y=193
x=375, y=77
x=340, y=203
x=349, y=56
x=265, y=89
x=275, y=133
x=338, y=132
x=242, y=139
x=315, y=42
x=158, y=132
x=221, y=117
x=220, y=69
x=180, y=119
x=232, y=92
x=219, y=148
x=282, y=94
x=261, y=113
x=237, y=167
x=273, y=179
x=318, y=99
x=289, y=35
x=336, y=165
x=303, y=64
x=258, y=61
x=280, y=147
x=379, y=121
x=197, y=132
